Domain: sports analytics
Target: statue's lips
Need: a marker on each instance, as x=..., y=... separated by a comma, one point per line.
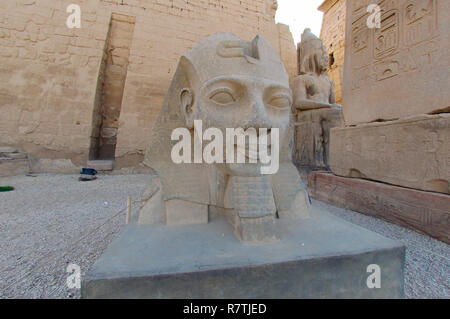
x=251, y=153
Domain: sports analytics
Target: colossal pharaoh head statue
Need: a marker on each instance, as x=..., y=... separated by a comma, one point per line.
x=225, y=83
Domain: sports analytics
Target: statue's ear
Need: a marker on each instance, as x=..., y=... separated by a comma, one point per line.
x=187, y=93
x=187, y=102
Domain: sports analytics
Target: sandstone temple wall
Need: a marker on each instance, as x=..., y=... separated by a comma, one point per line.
x=391, y=159
x=333, y=37
x=53, y=79
x=395, y=97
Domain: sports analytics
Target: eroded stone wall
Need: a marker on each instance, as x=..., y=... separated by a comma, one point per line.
x=413, y=152
x=395, y=96
x=333, y=37
x=51, y=76
x=400, y=69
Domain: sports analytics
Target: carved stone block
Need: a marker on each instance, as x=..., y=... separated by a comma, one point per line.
x=425, y=212
x=413, y=153
x=179, y=212
x=400, y=69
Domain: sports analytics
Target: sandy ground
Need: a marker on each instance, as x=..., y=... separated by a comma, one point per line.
x=51, y=221
x=427, y=271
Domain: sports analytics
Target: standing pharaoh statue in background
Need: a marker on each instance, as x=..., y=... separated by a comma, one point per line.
x=314, y=103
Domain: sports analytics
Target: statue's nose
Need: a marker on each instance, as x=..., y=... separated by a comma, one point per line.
x=258, y=117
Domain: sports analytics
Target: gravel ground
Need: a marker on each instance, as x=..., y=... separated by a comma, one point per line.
x=51, y=221
x=427, y=271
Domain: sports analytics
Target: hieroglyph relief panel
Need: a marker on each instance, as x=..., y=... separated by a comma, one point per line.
x=412, y=153
x=399, y=69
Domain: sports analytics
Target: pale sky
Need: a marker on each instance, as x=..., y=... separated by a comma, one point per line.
x=300, y=14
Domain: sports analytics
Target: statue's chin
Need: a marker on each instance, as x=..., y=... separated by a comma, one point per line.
x=247, y=169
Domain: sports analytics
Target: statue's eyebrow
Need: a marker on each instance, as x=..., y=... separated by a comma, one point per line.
x=223, y=79
x=278, y=87
x=244, y=81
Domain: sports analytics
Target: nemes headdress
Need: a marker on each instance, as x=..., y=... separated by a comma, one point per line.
x=225, y=53
x=220, y=54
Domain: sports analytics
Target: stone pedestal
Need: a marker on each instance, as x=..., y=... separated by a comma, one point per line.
x=412, y=152
x=101, y=165
x=312, y=136
x=13, y=162
x=14, y=167
x=320, y=257
x=426, y=212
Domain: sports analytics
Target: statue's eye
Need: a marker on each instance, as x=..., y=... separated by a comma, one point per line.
x=222, y=97
x=281, y=102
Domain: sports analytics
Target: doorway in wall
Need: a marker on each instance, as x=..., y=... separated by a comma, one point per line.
x=110, y=88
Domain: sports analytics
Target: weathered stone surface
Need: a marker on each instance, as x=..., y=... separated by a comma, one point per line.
x=313, y=89
x=113, y=79
x=321, y=257
x=14, y=167
x=256, y=230
x=312, y=136
x=8, y=149
x=412, y=153
x=400, y=69
x=57, y=73
x=425, y=212
x=222, y=83
x=333, y=36
x=16, y=155
x=101, y=165
x=181, y=212
x=13, y=162
x=315, y=104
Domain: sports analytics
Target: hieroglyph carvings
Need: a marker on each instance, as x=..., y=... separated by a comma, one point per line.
x=413, y=152
x=400, y=69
